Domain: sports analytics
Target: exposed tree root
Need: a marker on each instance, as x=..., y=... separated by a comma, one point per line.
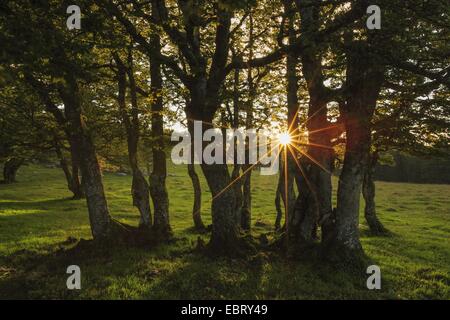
x=377, y=229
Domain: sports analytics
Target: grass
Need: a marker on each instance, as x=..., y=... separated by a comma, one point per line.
x=37, y=218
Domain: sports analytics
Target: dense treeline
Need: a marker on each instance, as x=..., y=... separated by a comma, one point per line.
x=407, y=168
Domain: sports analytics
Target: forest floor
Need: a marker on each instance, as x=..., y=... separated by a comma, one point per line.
x=38, y=222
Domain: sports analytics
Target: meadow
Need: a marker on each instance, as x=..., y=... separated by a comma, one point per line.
x=39, y=226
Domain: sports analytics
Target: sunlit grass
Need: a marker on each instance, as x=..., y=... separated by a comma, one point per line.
x=36, y=216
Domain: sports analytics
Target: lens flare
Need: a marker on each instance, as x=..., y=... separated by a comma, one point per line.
x=284, y=138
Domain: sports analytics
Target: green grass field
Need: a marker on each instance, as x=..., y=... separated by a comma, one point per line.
x=37, y=218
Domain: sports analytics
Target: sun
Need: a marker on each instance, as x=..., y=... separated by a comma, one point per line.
x=284, y=138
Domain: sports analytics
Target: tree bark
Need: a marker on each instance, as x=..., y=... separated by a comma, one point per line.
x=68, y=172
x=65, y=168
x=158, y=190
x=364, y=79
x=224, y=237
x=368, y=192
x=246, y=212
x=99, y=217
x=312, y=168
x=71, y=174
x=278, y=209
x=197, y=206
x=225, y=230
x=76, y=183
x=313, y=206
x=237, y=182
x=10, y=169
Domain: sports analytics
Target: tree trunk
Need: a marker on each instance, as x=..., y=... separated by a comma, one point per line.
x=312, y=173
x=314, y=206
x=197, y=206
x=368, y=192
x=364, y=79
x=77, y=187
x=83, y=145
x=349, y=188
x=139, y=186
x=10, y=169
x=73, y=182
x=279, y=215
x=158, y=190
x=284, y=184
x=225, y=231
x=304, y=221
x=64, y=166
x=237, y=182
x=224, y=237
x=237, y=188
x=246, y=211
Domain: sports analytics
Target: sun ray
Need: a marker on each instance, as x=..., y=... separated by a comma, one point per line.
x=324, y=129
x=308, y=183
x=312, y=116
x=286, y=202
x=316, y=145
x=244, y=173
x=312, y=159
x=293, y=121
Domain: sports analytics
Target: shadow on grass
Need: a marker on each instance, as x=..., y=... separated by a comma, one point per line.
x=171, y=271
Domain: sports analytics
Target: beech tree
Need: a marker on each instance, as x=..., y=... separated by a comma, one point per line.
x=139, y=189
x=56, y=65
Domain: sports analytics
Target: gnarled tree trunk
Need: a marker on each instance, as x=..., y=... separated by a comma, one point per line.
x=158, y=190
x=225, y=230
x=139, y=186
x=313, y=173
x=314, y=205
x=364, y=79
x=83, y=145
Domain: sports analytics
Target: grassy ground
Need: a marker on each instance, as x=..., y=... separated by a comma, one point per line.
x=37, y=218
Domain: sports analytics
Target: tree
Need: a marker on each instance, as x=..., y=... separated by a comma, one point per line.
x=55, y=64
x=139, y=189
